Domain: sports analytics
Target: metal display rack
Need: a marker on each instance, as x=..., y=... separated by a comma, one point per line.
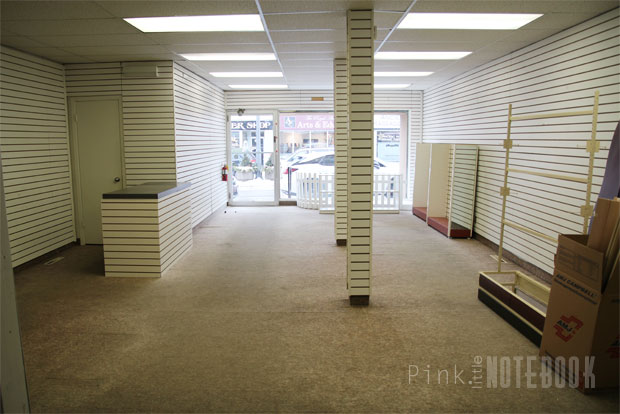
x=513, y=294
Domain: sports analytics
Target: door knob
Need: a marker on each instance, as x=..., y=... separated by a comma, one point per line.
x=117, y=179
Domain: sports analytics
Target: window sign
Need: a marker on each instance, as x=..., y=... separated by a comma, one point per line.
x=250, y=125
x=307, y=122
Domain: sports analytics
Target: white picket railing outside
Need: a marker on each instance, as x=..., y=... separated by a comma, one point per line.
x=308, y=190
x=316, y=191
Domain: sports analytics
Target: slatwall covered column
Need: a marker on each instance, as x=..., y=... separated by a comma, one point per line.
x=360, y=64
x=341, y=142
x=35, y=155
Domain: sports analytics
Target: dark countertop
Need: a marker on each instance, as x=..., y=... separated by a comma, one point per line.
x=149, y=190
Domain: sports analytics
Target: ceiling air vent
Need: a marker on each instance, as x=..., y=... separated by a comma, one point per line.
x=140, y=70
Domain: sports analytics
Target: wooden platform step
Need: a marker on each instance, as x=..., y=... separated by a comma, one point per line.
x=420, y=212
x=441, y=225
x=518, y=300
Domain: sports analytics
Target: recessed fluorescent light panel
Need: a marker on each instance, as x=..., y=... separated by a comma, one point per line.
x=247, y=74
x=229, y=56
x=258, y=86
x=392, y=85
x=467, y=21
x=400, y=74
x=223, y=23
x=420, y=55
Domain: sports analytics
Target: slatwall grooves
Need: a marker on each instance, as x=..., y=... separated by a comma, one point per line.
x=557, y=74
x=143, y=238
x=463, y=184
x=200, y=119
x=148, y=115
x=341, y=126
x=280, y=100
x=450, y=183
x=35, y=155
x=148, y=127
x=360, y=63
x=405, y=101
x=94, y=79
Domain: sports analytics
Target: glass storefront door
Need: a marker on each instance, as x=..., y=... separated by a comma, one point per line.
x=253, y=159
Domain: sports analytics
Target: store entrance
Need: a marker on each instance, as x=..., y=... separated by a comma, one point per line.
x=253, y=159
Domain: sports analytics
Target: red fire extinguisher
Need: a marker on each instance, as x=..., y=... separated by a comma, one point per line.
x=225, y=173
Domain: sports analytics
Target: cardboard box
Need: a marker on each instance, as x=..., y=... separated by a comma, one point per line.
x=582, y=318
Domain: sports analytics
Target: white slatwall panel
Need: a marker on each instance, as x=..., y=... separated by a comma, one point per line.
x=280, y=100
x=35, y=155
x=144, y=237
x=463, y=184
x=200, y=119
x=451, y=171
x=559, y=73
x=148, y=115
x=341, y=134
x=360, y=62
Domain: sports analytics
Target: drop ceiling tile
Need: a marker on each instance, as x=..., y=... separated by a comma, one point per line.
x=208, y=38
x=50, y=10
x=52, y=53
x=330, y=20
x=275, y=6
x=96, y=40
x=405, y=35
x=117, y=50
x=223, y=48
x=307, y=56
x=237, y=66
x=381, y=34
x=128, y=8
x=288, y=6
x=293, y=64
x=22, y=42
x=133, y=57
x=70, y=27
x=384, y=20
x=311, y=47
x=522, y=6
x=309, y=36
x=410, y=65
x=390, y=46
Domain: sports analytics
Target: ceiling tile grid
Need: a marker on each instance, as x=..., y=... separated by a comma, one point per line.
x=305, y=35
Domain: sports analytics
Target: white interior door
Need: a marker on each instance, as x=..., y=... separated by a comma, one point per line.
x=96, y=136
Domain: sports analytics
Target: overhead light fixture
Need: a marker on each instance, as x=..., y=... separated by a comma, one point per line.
x=258, y=86
x=468, y=21
x=401, y=74
x=229, y=56
x=247, y=74
x=392, y=85
x=223, y=23
x=420, y=55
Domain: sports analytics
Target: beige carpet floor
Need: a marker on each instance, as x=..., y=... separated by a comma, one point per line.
x=255, y=318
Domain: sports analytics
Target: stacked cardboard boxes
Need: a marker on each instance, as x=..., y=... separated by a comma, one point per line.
x=581, y=333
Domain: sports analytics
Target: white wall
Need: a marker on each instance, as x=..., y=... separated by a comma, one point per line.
x=559, y=73
x=35, y=155
x=301, y=101
x=200, y=128
x=148, y=115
